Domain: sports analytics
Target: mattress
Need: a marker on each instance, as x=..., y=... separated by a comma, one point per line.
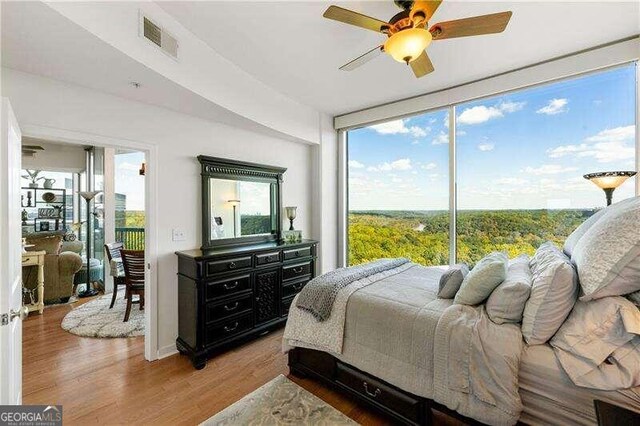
x=550, y=398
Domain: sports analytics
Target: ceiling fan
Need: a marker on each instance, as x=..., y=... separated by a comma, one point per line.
x=407, y=32
x=31, y=150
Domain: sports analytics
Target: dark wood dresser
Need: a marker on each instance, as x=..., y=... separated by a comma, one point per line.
x=229, y=295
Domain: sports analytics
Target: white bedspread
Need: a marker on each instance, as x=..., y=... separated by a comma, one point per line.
x=395, y=328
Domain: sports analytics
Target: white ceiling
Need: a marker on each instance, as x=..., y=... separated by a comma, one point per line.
x=38, y=40
x=289, y=46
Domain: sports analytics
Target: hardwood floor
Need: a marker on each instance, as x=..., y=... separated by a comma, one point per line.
x=107, y=381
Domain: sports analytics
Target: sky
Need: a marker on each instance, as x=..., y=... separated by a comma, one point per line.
x=128, y=180
x=523, y=150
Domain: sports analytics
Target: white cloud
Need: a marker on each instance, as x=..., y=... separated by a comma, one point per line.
x=395, y=127
x=481, y=113
x=512, y=181
x=616, y=134
x=487, y=146
x=353, y=164
x=429, y=166
x=510, y=107
x=549, y=169
x=401, y=164
x=606, y=146
x=415, y=142
x=555, y=106
x=460, y=132
x=441, y=139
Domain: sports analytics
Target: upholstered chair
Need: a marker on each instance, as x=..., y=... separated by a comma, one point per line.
x=59, y=268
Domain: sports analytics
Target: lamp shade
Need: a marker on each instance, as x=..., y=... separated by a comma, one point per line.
x=407, y=45
x=290, y=212
x=609, y=180
x=88, y=195
x=233, y=202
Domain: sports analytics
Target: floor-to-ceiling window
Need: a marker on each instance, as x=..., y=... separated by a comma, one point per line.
x=399, y=190
x=520, y=161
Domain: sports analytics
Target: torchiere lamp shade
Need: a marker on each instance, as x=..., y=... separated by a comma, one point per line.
x=609, y=181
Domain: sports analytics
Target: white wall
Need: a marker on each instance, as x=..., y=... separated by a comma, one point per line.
x=55, y=157
x=39, y=101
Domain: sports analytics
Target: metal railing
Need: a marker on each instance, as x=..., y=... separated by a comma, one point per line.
x=132, y=238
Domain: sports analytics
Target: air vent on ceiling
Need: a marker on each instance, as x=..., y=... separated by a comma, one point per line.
x=159, y=36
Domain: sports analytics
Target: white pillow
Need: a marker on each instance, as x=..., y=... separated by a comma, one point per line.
x=575, y=236
x=608, y=254
x=485, y=276
x=506, y=303
x=553, y=293
x=451, y=280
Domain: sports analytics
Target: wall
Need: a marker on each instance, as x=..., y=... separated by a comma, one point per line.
x=55, y=157
x=38, y=101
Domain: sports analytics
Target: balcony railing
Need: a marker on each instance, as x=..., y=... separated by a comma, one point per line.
x=132, y=238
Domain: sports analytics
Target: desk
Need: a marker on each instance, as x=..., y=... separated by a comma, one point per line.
x=36, y=258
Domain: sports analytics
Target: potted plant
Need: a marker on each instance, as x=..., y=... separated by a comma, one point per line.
x=33, y=176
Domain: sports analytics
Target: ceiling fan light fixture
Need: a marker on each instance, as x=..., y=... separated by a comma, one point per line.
x=406, y=45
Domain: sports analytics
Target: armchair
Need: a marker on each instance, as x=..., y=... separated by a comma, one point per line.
x=59, y=268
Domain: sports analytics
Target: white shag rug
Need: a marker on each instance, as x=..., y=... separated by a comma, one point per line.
x=95, y=319
x=279, y=402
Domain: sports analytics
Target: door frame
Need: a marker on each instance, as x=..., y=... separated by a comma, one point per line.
x=151, y=209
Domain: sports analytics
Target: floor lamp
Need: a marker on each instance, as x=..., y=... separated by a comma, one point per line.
x=88, y=196
x=609, y=181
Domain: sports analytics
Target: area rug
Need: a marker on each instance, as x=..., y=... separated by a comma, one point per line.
x=95, y=319
x=279, y=402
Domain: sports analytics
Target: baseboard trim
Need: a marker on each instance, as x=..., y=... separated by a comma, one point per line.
x=167, y=351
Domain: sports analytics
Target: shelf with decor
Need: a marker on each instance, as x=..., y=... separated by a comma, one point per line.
x=45, y=209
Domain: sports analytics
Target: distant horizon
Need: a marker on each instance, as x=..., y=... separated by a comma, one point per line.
x=474, y=210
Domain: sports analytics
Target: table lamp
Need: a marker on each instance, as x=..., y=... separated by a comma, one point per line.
x=609, y=181
x=291, y=214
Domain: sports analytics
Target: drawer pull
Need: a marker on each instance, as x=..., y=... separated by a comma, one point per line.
x=229, y=329
x=232, y=265
x=297, y=253
x=231, y=308
x=228, y=286
x=298, y=270
x=297, y=287
x=371, y=394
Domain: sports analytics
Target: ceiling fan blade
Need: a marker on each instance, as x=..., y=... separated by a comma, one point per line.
x=354, y=18
x=478, y=25
x=427, y=7
x=362, y=59
x=422, y=65
x=33, y=147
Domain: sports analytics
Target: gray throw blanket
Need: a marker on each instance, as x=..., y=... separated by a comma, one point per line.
x=318, y=295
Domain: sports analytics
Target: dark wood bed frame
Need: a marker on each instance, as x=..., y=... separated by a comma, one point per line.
x=399, y=405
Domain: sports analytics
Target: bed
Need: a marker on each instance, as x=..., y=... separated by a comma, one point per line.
x=549, y=396
x=531, y=340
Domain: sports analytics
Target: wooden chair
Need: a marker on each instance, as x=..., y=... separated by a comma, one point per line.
x=134, y=268
x=117, y=272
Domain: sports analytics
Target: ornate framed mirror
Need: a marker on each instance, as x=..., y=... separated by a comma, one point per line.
x=241, y=202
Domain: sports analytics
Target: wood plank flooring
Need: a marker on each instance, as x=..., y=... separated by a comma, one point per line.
x=108, y=381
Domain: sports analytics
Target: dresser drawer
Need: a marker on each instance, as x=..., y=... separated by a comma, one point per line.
x=296, y=253
x=291, y=289
x=266, y=258
x=228, y=286
x=217, y=266
x=226, y=329
x=291, y=272
x=379, y=392
x=222, y=310
x=285, y=306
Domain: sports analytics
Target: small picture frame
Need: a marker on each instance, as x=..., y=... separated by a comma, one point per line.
x=290, y=237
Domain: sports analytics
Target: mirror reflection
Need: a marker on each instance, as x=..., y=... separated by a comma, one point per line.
x=239, y=208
